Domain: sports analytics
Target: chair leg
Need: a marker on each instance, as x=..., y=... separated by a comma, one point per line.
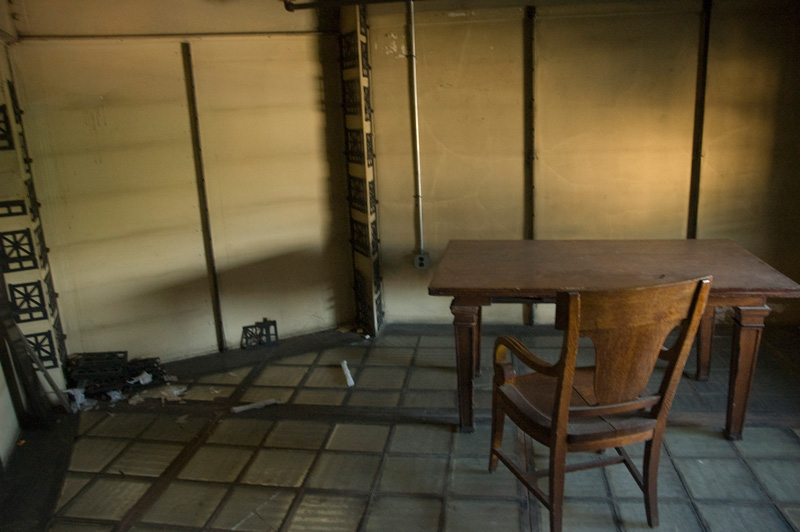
x=558, y=459
x=652, y=453
x=498, y=417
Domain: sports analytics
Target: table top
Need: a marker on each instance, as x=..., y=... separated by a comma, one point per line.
x=540, y=268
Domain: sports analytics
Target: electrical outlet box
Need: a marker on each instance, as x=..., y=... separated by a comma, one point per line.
x=422, y=261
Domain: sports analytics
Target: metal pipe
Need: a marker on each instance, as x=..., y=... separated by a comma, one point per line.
x=412, y=68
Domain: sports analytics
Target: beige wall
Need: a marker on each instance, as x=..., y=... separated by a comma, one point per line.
x=470, y=86
x=613, y=126
x=750, y=188
x=614, y=87
x=277, y=191
x=107, y=129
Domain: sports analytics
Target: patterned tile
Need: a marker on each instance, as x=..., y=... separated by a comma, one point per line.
x=329, y=513
x=186, y=504
x=107, y=498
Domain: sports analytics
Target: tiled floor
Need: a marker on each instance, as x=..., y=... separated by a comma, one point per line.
x=384, y=456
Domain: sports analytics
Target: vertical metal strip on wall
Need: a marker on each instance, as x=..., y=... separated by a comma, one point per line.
x=202, y=195
x=360, y=151
x=699, y=119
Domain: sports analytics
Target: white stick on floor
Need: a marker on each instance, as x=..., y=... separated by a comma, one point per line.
x=251, y=406
x=347, y=375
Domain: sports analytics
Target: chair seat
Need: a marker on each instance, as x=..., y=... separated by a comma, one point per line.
x=529, y=400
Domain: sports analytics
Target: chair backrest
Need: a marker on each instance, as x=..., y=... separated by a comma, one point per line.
x=629, y=328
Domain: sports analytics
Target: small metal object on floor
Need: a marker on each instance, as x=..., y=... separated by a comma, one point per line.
x=264, y=332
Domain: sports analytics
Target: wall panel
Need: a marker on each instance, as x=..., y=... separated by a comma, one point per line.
x=113, y=167
x=750, y=186
x=276, y=180
x=470, y=85
x=613, y=125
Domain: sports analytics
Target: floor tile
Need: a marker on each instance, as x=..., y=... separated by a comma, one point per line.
x=231, y=377
x=396, y=340
x=276, y=375
x=413, y=474
x=416, y=514
x=329, y=513
x=677, y=516
x=254, y=509
x=122, y=425
x=448, y=341
x=298, y=434
x=361, y=438
x=240, y=431
x=335, y=356
x=469, y=515
x=579, y=484
x=583, y=516
x=185, y=503
x=780, y=477
x=720, y=479
x=144, y=527
x=623, y=485
x=93, y=454
x=435, y=358
x=145, y=459
x=320, y=397
x=329, y=377
x=421, y=439
x=478, y=443
x=344, y=471
x=377, y=399
x=71, y=486
x=432, y=379
x=371, y=378
x=793, y=514
x=430, y=399
x=174, y=428
x=390, y=356
x=277, y=467
x=255, y=394
x=216, y=464
x=208, y=392
x=107, y=498
x=63, y=526
x=742, y=518
x=88, y=419
x=305, y=359
x=768, y=442
x=707, y=442
x=471, y=476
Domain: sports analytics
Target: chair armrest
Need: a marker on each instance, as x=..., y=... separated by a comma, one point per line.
x=506, y=343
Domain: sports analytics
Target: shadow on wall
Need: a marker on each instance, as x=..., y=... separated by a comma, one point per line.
x=784, y=185
x=303, y=290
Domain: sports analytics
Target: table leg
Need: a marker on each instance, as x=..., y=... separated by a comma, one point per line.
x=748, y=326
x=705, y=334
x=466, y=322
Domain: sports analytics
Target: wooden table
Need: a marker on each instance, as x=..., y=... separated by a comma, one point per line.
x=477, y=273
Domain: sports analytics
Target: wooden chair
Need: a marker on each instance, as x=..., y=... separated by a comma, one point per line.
x=591, y=408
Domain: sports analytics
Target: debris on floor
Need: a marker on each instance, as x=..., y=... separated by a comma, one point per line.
x=109, y=376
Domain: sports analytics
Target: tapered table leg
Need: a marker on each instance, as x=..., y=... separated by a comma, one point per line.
x=748, y=326
x=466, y=322
x=705, y=334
